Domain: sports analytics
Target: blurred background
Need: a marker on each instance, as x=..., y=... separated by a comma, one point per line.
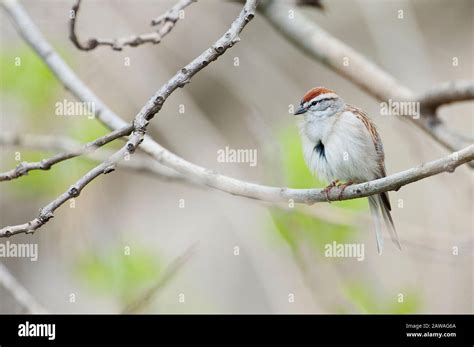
x=171, y=247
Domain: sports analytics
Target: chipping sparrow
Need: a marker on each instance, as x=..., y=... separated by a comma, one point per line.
x=340, y=142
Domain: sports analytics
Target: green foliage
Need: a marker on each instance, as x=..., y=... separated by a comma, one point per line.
x=367, y=301
x=116, y=273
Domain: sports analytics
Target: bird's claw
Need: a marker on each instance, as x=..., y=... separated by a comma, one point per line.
x=343, y=187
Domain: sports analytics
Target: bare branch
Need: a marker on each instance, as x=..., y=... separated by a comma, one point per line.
x=165, y=24
x=45, y=164
x=305, y=34
x=167, y=20
x=18, y=292
x=141, y=121
x=309, y=196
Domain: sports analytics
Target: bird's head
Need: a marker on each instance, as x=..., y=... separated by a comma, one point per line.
x=320, y=102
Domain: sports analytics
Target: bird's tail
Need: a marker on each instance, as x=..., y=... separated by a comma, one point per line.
x=380, y=209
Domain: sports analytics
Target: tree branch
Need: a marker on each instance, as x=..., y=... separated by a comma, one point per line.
x=309, y=196
x=165, y=23
x=305, y=34
x=141, y=121
x=273, y=194
x=446, y=93
x=45, y=164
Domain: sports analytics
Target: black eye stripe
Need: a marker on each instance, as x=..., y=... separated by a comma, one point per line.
x=314, y=103
x=317, y=102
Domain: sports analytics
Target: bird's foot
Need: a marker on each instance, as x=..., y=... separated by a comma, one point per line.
x=328, y=189
x=343, y=187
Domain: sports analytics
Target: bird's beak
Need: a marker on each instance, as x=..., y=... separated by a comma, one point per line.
x=300, y=110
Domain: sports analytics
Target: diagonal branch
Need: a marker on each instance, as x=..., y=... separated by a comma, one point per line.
x=45, y=164
x=165, y=23
x=305, y=34
x=141, y=121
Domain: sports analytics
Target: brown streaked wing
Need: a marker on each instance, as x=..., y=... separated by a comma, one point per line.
x=370, y=126
x=362, y=116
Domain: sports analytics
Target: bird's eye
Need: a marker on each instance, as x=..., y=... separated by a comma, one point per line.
x=314, y=103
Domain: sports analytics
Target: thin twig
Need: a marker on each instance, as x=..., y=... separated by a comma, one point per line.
x=165, y=24
x=24, y=167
